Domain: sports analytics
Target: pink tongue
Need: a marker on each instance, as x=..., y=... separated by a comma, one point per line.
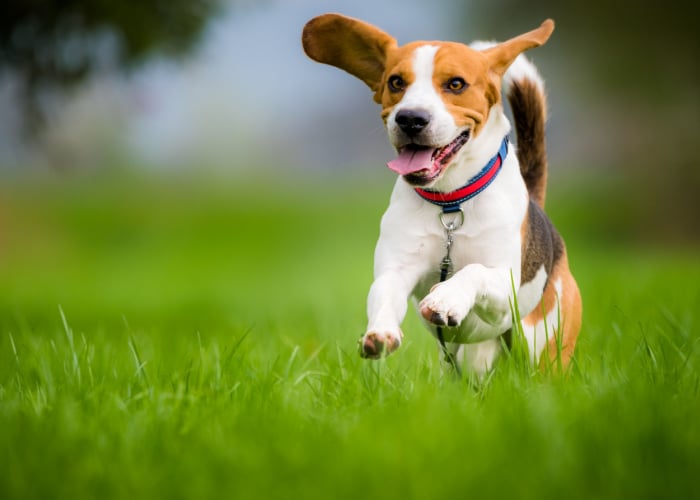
x=412, y=160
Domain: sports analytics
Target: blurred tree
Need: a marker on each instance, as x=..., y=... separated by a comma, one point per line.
x=50, y=45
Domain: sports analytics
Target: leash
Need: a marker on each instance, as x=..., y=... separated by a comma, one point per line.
x=451, y=204
x=446, y=266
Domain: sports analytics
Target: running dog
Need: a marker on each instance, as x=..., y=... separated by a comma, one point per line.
x=465, y=234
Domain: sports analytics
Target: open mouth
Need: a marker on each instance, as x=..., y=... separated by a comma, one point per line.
x=420, y=165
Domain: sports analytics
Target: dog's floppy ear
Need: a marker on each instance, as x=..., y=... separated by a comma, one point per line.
x=502, y=55
x=349, y=44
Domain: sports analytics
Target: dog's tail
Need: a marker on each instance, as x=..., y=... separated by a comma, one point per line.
x=526, y=94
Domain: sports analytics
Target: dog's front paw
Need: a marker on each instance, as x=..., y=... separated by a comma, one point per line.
x=443, y=307
x=374, y=345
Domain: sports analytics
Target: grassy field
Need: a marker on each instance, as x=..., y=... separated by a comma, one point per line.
x=178, y=339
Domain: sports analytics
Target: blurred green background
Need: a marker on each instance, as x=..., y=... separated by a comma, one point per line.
x=184, y=165
x=177, y=178
x=221, y=88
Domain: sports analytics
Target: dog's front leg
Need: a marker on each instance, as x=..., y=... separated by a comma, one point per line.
x=386, y=307
x=476, y=288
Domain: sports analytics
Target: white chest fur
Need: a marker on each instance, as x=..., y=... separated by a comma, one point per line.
x=412, y=245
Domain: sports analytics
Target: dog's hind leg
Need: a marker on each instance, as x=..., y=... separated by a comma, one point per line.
x=552, y=328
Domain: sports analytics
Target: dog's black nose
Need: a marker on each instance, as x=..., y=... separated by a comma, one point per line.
x=412, y=121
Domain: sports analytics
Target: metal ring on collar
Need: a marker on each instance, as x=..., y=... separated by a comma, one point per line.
x=456, y=221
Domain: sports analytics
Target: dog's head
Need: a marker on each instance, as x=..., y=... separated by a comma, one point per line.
x=435, y=96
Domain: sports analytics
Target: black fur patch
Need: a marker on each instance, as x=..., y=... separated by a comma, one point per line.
x=542, y=245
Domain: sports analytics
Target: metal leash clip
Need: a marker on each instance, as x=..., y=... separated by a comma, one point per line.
x=450, y=226
x=451, y=221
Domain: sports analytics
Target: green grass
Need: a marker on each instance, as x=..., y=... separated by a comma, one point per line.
x=164, y=338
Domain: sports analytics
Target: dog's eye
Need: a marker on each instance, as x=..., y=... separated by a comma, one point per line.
x=456, y=85
x=396, y=83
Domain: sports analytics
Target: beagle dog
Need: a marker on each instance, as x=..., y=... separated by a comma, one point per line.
x=465, y=234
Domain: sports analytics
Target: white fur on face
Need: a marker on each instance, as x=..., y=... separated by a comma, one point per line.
x=422, y=95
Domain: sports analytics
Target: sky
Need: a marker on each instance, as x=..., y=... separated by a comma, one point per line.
x=246, y=97
x=251, y=90
x=246, y=92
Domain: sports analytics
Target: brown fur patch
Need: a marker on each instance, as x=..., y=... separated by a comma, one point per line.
x=350, y=44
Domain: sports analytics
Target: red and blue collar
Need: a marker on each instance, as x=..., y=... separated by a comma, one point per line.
x=451, y=201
